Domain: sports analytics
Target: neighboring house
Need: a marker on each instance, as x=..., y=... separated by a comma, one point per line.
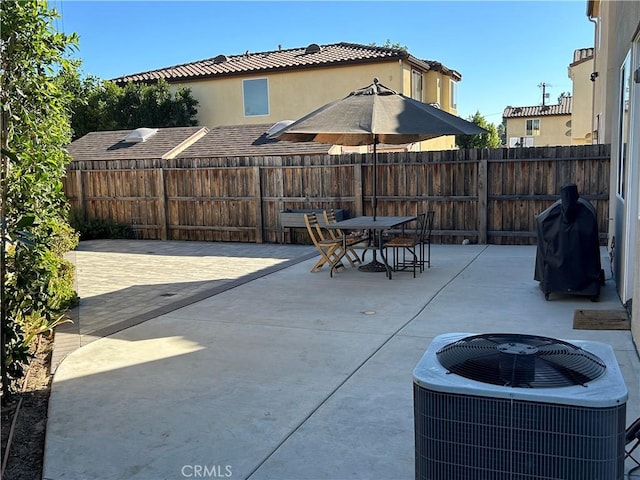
x=142, y=143
x=566, y=123
x=249, y=141
x=286, y=84
x=539, y=125
x=616, y=120
x=582, y=91
x=187, y=142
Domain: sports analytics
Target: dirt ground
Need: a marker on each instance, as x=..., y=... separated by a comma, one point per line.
x=24, y=419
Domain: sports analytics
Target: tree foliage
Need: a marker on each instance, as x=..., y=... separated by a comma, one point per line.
x=102, y=105
x=36, y=281
x=491, y=139
x=389, y=44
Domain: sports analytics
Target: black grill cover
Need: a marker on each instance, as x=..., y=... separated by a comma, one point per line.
x=568, y=253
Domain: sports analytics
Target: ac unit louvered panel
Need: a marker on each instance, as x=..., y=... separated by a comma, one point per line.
x=472, y=438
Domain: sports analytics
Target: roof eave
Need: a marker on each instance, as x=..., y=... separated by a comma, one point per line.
x=582, y=60
x=245, y=73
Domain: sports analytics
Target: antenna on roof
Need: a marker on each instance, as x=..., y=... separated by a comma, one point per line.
x=545, y=95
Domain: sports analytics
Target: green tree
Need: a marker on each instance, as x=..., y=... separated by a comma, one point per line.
x=389, y=44
x=103, y=105
x=36, y=283
x=502, y=132
x=93, y=102
x=491, y=139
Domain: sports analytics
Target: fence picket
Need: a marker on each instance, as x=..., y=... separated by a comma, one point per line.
x=487, y=196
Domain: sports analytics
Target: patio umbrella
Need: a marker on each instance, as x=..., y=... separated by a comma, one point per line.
x=372, y=115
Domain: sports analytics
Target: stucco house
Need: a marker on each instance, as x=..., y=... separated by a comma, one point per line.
x=580, y=71
x=616, y=120
x=186, y=142
x=565, y=123
x=539, y=125
x=160, y=143
x=285, y=84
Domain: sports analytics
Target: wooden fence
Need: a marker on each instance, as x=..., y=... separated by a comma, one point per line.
x=484, y=195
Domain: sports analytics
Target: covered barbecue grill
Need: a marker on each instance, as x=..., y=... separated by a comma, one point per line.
x=568, y=253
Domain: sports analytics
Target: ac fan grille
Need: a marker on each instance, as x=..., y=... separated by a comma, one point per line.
x=525, y=361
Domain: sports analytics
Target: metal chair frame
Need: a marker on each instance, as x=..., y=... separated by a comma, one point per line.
x=413, y=245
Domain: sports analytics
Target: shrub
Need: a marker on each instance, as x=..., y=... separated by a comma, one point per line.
x=98, y=228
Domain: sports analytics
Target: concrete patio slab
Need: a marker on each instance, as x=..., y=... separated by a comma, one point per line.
x=294, y=375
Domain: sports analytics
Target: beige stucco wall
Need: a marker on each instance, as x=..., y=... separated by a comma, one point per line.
x=293, y=94
x=405, y=89
x=438, y=90
x=434, y=91
x=554, y=130
x=446, y=95
x=604, y=43
x=618, y=24
x=581, y=110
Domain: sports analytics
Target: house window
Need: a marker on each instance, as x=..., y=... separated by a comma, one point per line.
x=255, y=93
x=416, y=85
x=533, y=127
x=624, y=116
x=453, y=88
x=515, y=142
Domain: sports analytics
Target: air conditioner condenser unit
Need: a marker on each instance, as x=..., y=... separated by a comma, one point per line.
x=518, y=407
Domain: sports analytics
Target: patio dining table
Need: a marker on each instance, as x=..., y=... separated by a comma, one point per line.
x=376, y=226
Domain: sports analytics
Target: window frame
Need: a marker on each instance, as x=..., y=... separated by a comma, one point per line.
x=246, y=91
x=453, y=94
x=532, y=131
x=624, y=120
x=416, y=77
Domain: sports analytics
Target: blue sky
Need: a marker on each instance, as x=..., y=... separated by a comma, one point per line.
x=503, y=49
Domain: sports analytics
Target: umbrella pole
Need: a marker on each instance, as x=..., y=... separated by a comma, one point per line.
x=374, y=199
x=375, y=265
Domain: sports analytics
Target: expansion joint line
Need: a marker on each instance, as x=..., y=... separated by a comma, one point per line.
x=364, y=362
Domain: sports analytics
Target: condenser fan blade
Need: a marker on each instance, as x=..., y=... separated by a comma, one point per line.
x=524, y=361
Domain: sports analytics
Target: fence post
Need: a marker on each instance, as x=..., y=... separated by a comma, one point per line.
x=257, y=192
x=162, y=204
x=482, y=197
x=80, y=192
x=357, y=188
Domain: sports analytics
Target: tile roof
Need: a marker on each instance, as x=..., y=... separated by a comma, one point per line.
x=109, y=145
x=249, y=141
x=581, y=55
x=563, y=108
x=439, y=67
x=295, y=58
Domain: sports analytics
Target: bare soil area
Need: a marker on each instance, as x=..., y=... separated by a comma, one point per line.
x=24, y=419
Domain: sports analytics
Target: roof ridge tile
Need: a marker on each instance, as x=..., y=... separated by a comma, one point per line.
x=299, y=57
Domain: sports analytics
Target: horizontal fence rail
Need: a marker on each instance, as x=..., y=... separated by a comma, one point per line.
x=481, y=195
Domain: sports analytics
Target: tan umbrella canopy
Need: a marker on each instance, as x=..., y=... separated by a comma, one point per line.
x=372, y=115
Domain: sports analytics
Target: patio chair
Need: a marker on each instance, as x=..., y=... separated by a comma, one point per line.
x=426, y=240
x=348, y=239
x=408, y=250
x=632, y=435
x=330, y=250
